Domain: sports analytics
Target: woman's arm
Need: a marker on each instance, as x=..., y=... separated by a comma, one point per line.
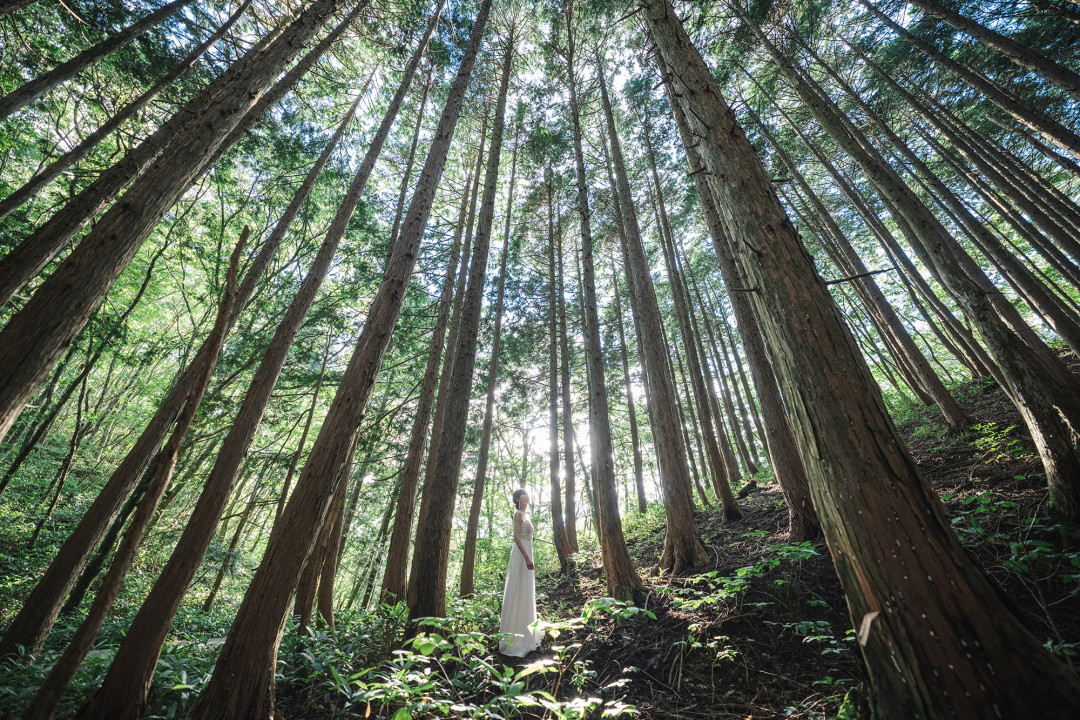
x=518, y=519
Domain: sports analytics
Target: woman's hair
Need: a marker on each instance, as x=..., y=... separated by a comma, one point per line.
x=517, y=494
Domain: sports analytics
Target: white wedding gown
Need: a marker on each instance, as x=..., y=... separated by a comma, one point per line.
x=519, y=599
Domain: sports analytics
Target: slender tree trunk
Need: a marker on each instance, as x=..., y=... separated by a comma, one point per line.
x=468, y=561
x=64, y=71
x=689, y=422
x=569, y=477
x=380, y=546
x=682, y=546
x=893, y=546
x=62, y=163
x=234, y=542
x=635, y=441
x=397, y=557
x=623, y=582
x=243, y=680
x=60, y=307
x=441, y=399
x=325, y=603
x=43, y=707
x=558, y=529
x=432, y=547
x=128, y=682
x=65, y=466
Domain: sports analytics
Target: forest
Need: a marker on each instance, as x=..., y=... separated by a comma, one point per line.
x=772, y=306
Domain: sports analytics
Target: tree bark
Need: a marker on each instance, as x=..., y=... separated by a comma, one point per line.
x=682, y=546
x=432, y=548
x=891, y=541
x=243, y=681
x=468, y=561
x=569, y=476
x=558, y=529
x=623, y=581
x=397, y=556
x=635, y=441
x=441, y=399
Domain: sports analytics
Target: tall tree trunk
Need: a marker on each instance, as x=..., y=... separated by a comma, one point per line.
x=689, y=422
x=558, y=529
x=569, y=477
x=635, y=441
x=928, y=642
x=30, y=188
x=40, y=85
x=243, y=680
x=432, y=548
x=60, y=307
x=623, y=581
x=724, y=467
x=44, y=704
x=468, y=561
x=128, y=682
x=682, y=546
x=397, y=556
x=441, y=400
x=37, y=615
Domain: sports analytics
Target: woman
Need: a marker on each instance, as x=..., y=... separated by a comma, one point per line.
x=519, y=595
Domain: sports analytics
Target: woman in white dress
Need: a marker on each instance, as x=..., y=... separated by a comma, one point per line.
x=519, y=595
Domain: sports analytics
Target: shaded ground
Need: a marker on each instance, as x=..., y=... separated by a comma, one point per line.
x=781, y=645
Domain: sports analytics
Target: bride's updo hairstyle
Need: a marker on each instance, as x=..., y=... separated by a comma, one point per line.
x=517, y=495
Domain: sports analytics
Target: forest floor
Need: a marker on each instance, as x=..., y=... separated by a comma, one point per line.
x=764, y=631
